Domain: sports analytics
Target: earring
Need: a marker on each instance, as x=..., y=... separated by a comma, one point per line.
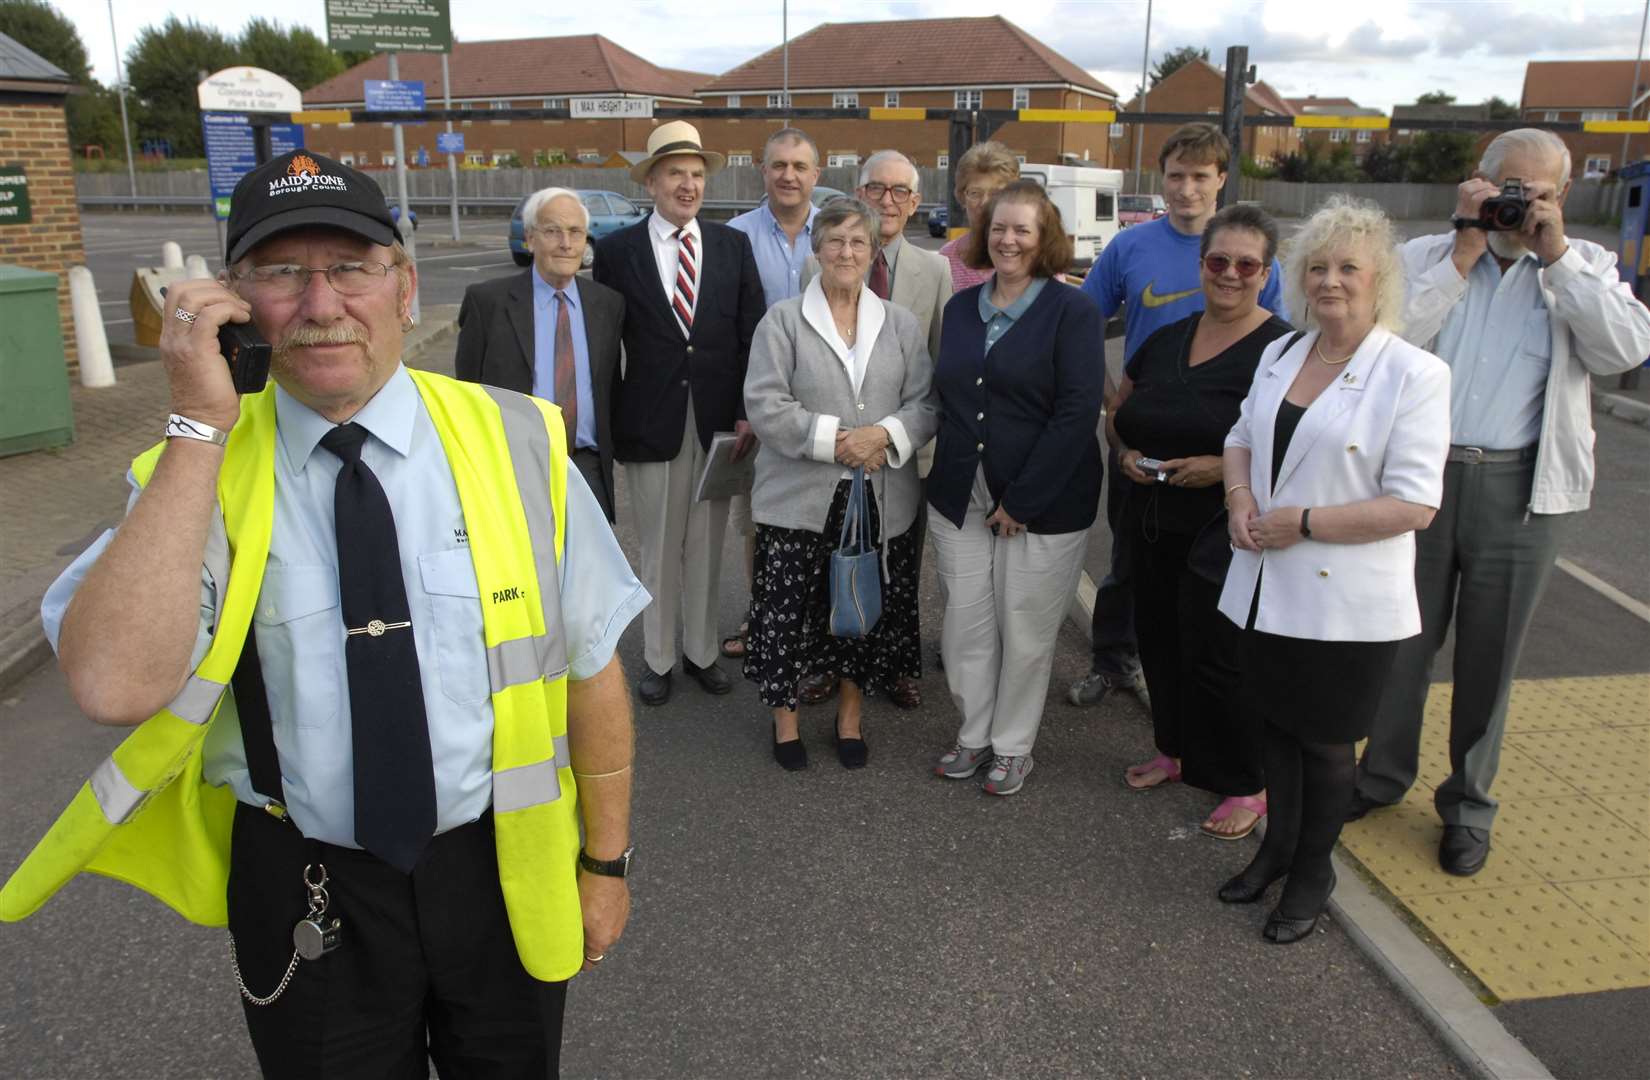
x=407, y=322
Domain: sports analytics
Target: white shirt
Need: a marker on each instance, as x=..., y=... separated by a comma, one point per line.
x=665, y=247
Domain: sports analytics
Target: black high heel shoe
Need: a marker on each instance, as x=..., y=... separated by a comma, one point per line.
x=1242, y=890
x=1280, y=929
x=791, y=754
x=852, y=753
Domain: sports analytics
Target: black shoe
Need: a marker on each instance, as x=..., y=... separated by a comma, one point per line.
x=1464, y=850
x=1242, y=890
x=712, y=678
x=791, y=755
x=853, y=753
x=654, y=689
x=1281, y=929
x=1362, y=804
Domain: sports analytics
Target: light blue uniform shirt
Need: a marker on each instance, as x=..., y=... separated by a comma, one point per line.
x=997, y=320
x=545, y=314
x=300, y=626
x=1498, y=343
x=778, y=261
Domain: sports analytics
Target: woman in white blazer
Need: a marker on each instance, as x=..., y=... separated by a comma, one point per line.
x=1336, y=460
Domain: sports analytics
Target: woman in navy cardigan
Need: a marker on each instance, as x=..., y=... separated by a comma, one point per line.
x=1016, y=478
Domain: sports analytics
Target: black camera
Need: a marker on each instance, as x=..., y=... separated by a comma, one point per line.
x=1505, y=212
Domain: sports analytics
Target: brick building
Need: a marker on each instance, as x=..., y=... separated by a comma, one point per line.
x=1199, y=86
x=532, y=73
x=1557, y=90
x=34, y=136
x=962, y=63
x=1327, y=140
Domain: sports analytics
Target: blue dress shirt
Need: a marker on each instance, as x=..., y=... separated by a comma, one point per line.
x=545, y=314
x=1499, y=346
x=778, y=261
x=997, y=320
x=301, y=630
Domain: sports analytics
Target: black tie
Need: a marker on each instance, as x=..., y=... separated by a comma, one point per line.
x=394, y=779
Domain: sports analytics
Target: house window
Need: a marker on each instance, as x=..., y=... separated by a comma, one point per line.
x=386, y=159
x=943, y=161
x=969, y=99
x=1022, y=97
x=346, y=159
x=833, y=160
x=502, y=156
x=739, y=159
x=890, y=100
x=1363, y=134
x=1597, y=168
x=1403, y=133
x=1605, y=114
x=475, y=158
x=589, y=157
x=733, y=101
x=1338, y=135
x=845, y=99
x=346, y=125
x=1117, y=131
x=779, y=101
x=554, y=103
x=1549, y=117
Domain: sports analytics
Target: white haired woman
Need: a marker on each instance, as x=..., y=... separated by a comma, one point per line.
x=1336, y=460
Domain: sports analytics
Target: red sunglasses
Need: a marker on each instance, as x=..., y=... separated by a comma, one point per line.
x=1217, y=264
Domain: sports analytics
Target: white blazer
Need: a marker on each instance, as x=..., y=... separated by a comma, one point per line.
x=1381, y=428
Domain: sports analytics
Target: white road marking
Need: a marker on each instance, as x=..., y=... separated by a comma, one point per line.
x=1605, y=589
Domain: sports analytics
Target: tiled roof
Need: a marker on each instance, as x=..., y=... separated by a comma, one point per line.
x=18, y=62
x=986, y=51
x=525, y=67
x=1581, y=84
x=1260, y=94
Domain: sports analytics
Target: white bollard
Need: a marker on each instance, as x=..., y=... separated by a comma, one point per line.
x=195, y=267
x=96, y=368
x=171, y=255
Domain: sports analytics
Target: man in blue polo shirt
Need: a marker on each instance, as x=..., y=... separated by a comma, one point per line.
x=1151, y=271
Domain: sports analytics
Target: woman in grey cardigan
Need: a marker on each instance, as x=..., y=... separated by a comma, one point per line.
x=837, y=379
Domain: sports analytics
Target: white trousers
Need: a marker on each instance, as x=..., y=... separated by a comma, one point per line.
x=681, y=557
x=1004, y=602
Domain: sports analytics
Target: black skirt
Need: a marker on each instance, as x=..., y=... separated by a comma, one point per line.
x=790, y=618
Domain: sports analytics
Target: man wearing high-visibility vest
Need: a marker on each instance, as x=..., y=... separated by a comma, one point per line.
x=363, y=622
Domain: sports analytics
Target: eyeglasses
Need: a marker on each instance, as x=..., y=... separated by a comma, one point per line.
x=556, y=235
x=1218, y=264
x=977, y=195
x=285, y=279
x=834, y=245
x=876, y=191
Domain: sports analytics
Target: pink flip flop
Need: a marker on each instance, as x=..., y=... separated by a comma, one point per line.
x=1255, y=804
x=1162, y=762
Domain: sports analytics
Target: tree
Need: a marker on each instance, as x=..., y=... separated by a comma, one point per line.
x=1436, y=97
x=1386, y=163
x=93, y=114
x=1175, y=59
x=295, y=54
x=1441, y=157
x=164, y=67
x=1501, y=109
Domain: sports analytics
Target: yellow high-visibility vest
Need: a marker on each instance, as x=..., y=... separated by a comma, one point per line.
x=147, y=817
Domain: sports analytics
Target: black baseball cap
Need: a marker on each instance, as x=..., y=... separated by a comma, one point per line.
x=304, y=189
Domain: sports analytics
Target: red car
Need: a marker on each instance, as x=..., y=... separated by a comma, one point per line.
x=1133, y=209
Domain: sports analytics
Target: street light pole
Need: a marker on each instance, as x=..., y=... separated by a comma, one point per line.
x=1633, y=90
x=1145, y=61
x=785, y=52
x=452, y=159
x=120, y=84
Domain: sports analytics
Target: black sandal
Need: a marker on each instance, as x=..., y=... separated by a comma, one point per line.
x=734, y=647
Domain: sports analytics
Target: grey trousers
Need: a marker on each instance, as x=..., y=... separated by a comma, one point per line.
x=1484, y=565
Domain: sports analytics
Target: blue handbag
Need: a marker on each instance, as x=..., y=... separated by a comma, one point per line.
x=856, y=569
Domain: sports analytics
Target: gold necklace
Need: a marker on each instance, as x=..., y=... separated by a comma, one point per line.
x=1317, y=347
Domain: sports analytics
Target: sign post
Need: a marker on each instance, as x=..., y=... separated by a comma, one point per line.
x=451, y=151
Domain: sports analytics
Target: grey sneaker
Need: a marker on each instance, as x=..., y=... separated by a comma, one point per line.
x=1092, y=688
x=1007, y=774
x=960, y=762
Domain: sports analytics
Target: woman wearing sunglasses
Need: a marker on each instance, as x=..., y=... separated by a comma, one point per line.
x=1181, y=393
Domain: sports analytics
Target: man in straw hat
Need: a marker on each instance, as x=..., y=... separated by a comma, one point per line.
x=693, y=297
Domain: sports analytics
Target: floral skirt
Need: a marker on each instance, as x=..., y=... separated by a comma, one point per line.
x=790, y=633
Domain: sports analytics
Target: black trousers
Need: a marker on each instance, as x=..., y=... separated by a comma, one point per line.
x=1189, y=651
x=426, y=968
x=1116, y=651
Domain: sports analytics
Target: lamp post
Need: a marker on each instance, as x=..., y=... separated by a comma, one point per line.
x=1633, y=90
x=120, y=84
x=1145, y=61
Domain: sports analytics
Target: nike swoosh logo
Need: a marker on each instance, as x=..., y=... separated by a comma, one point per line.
x=1151, y=299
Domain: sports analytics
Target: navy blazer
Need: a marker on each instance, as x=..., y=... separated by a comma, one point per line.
x=1029, y=410
x=650, y=400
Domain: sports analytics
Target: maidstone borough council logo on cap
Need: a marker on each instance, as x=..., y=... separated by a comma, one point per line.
x=304, y=174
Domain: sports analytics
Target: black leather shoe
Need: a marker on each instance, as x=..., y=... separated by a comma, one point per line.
x=712, y=678
x=1281, y=929
x=1464, y=850
x=654, y=689
x=1241, y=890
x=1362, y=804
x=792, y=755
x=853, y=753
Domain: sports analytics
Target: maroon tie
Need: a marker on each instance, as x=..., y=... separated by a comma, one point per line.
x=879, y=276
x=687, y=281
x=567, y=378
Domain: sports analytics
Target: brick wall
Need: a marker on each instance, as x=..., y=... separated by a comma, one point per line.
x=33, y=134
x=1196, y=88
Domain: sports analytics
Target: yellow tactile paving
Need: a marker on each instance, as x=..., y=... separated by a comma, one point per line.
x=1564, y=905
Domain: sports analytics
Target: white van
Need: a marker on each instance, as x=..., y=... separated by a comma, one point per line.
x=1087, y=201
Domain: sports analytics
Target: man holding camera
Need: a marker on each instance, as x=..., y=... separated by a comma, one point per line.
x=1524, y=316
x=362, y=623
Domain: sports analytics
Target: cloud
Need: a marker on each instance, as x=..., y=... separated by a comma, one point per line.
x=1471, y=28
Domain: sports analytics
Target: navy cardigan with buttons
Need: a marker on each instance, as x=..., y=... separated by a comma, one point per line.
x=1028, y=410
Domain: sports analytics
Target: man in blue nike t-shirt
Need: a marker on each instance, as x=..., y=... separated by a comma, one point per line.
x=1151, y=271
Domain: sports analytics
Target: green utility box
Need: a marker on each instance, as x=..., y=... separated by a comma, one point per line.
x=34, y=382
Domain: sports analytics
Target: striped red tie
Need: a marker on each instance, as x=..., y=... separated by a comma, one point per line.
x=687, y=281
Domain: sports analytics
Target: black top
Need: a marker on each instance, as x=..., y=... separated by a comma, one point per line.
x=1176, y=410
x=1289, y=418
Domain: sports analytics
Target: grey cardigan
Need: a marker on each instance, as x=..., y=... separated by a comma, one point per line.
x=796, y=390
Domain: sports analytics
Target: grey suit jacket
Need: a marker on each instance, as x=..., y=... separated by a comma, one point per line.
x=795, y=378
x=495, y=346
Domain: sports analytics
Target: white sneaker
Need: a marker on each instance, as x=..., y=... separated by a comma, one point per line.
x=1007, y=774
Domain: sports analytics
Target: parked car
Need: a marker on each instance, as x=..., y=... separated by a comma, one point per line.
x=395, y=214
x=609, y=211
x=823, y=194
x=1134, y=209
x=939, y=220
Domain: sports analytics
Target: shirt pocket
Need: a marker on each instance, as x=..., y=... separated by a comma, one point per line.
x=454, y=599
x=1536, y=339
x=301, y=645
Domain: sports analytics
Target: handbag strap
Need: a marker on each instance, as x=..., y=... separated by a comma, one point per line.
x=854, y=519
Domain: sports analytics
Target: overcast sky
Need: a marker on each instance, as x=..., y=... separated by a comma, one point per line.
x=1378, y=54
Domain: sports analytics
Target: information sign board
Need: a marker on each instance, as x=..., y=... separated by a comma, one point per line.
x=14, y=196
x=389, y=25
x=232, y=152
x=449, y=142
x=611, y=108
x=384, y=95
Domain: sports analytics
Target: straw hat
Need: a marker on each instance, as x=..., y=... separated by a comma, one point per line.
x=668, y=140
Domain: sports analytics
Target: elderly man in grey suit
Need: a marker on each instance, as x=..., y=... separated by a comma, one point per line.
x=550, y=333
x=918, y=281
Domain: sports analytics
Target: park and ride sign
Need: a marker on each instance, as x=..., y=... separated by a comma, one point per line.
x=382, y=26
